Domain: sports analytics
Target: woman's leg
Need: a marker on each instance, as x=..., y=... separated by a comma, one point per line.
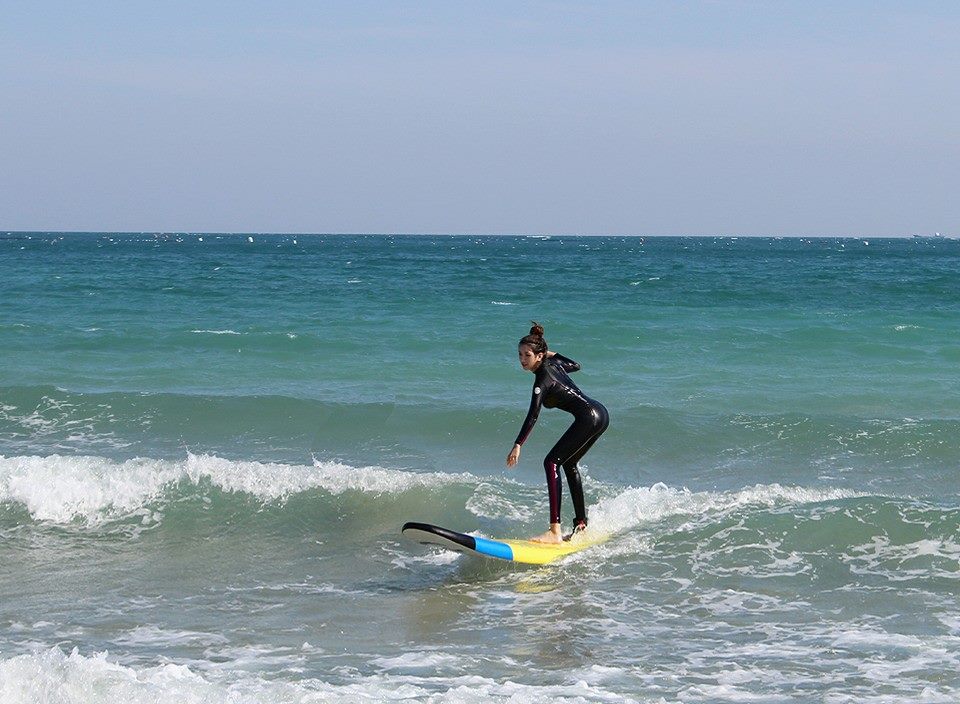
x=554, y=487
x=571, y=446
x=571, y=467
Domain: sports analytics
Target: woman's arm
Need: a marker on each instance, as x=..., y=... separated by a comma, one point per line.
x=536, y=403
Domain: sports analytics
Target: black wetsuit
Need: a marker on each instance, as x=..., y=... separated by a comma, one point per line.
x=553, y=388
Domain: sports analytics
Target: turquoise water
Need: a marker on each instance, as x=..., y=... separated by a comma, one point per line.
x=208, y=444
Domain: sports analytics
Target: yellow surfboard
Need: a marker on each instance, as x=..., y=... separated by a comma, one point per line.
x=525, y=551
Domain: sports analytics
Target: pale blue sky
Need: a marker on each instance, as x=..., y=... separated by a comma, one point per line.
x=724, y=117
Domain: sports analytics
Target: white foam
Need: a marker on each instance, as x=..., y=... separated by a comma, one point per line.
x=156, y=636
x=216, y=332
x=635, y=506
x=434, y=558
x=895, y=659
x=416, y=661
x=251, y=658
x=59, y=489
x=52, y=415
x=597, y=674
x=52, y=676
x=492, y=501
x=923, y=559
x=62, y=489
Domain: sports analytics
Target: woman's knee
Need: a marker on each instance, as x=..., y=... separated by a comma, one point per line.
x=550, y=465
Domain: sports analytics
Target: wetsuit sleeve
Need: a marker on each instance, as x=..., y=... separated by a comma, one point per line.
x=565, y=363
x=536, y=403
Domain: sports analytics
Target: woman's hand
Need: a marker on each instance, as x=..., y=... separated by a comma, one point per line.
x=514, y=456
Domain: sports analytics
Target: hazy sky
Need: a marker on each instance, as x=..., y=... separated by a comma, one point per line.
x=725, y=117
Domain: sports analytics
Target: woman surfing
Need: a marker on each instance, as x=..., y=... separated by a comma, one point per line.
x=553, y=388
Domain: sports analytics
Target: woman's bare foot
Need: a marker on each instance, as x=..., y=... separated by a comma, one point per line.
x=551, y=536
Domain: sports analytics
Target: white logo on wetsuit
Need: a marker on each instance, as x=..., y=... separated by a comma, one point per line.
x=536, y=389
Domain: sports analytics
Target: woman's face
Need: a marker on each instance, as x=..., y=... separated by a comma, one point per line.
x=528, y=359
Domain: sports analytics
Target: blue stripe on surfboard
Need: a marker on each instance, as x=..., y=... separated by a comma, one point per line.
x=493, y=548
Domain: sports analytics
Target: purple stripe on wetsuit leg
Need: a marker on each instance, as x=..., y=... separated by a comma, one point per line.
x=553, y=490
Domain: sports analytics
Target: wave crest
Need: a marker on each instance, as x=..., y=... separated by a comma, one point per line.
x=93, y=489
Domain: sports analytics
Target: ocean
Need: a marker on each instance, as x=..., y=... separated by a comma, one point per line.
x=209, y=443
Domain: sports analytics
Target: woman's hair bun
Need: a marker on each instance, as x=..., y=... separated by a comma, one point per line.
x=535, y=338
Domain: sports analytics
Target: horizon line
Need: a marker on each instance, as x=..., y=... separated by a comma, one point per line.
x=3, y=232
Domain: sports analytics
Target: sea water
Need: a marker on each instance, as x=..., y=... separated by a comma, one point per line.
x=209, y=443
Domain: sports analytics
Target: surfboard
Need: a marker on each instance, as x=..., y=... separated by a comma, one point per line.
x=525, y=551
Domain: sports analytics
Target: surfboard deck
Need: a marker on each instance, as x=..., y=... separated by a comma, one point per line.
x=525, y=551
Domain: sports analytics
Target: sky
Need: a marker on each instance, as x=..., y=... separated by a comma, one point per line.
x=723, y=117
